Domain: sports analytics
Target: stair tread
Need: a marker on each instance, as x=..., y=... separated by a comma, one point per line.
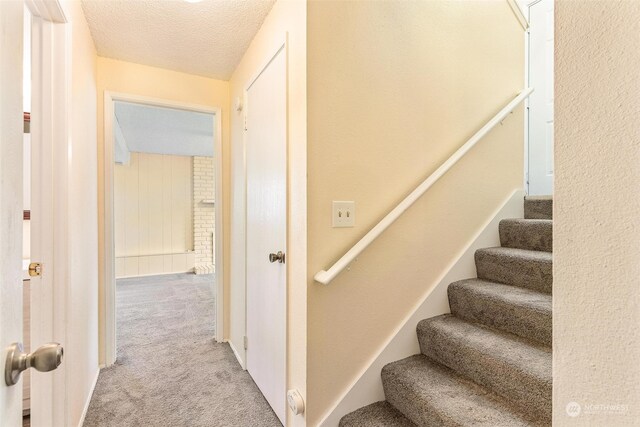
x=529, y=220
x=515, y=295
x=532, y=234
x=431, y=394
x=520, y=253
x=544, y=197
x=518, y=267
x=513, y=367
x=528, y=357
x=379, y=414
x=521, y=311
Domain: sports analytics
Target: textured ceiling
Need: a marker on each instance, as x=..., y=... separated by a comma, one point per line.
x=164, y=130
x=206, y=38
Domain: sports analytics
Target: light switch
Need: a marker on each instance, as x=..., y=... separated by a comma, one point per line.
x=344, y=214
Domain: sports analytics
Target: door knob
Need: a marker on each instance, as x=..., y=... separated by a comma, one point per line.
x=277, y=257
x=46, y=358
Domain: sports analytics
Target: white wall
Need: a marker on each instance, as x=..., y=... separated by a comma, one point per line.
x=596, y=242
x=153, y=215
x=81, y=351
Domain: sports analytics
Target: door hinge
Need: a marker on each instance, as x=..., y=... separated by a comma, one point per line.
x=246, y=343
x=245, y=122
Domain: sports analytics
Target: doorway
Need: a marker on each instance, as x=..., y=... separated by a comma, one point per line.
x=164, y=226
x=163, y=192
x=266, y=230
x=540, y=111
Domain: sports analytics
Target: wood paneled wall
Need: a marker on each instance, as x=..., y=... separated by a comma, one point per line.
x=153, y=214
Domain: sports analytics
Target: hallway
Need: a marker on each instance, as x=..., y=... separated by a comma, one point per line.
x=170, y=371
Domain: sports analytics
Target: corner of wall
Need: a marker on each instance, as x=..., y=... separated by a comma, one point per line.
x=83, y=415
x=82, y=316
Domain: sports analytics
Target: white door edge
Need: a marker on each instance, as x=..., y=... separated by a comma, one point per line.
x=50, y=142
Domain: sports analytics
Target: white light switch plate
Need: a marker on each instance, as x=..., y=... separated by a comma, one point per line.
x=344, y=214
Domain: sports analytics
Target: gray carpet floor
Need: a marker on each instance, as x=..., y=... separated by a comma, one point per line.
x=169, y=369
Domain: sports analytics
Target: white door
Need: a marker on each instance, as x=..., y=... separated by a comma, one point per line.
x=540, y=168
x=266, y=150
x=11, y=147
x=49, y=153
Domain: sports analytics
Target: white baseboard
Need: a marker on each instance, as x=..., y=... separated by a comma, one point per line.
x=191, y=270
x=237, y=354
x=88, y=402
x=403, y=342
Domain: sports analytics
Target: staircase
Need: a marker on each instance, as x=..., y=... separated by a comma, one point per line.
x=488, y=363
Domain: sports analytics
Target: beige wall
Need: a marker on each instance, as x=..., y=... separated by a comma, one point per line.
x=134, y=79
x=287, y=20
x=596, y=259
x=153, y=217
x=81, y=348
x=394, y=88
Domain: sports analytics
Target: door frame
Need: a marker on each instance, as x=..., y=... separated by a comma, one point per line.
x=51, y=40
x=279, y=46
x=526, y=5
x=108, y=304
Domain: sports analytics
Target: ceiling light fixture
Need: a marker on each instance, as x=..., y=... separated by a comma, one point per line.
x=193, y=1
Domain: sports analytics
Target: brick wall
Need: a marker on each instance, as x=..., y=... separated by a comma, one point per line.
x=203, y=214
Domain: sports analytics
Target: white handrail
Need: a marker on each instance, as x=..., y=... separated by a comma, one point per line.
x=325, y=277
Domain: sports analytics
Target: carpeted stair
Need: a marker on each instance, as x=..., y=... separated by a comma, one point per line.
x=488, y=363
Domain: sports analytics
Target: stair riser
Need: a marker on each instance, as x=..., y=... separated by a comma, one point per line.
x=532, y=395
x=530, y=235
x=538, y=208
x=380, y=414
x=522, y=321
x=531, y=274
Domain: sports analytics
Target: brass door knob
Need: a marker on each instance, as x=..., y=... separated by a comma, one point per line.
x=35, y=269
